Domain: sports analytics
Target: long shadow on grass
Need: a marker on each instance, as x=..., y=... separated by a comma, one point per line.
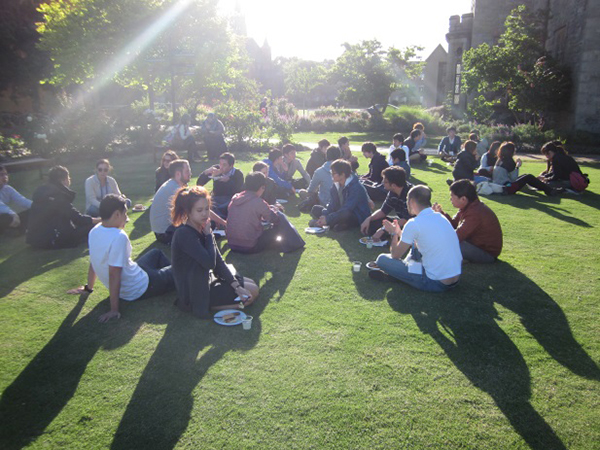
x=464, y=324
x=161, y=406
x=141, y=225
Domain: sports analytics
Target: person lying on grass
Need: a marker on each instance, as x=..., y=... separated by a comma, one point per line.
x=204, y=282
x=436, y=265
x=394, y=182
x=110, y=261
x=349, y=205
x=476, y=225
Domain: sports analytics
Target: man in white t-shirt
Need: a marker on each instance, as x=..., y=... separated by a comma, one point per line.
x=434, y=264
x=110, y=261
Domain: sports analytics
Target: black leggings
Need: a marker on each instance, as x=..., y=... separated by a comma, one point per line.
x=529, y=179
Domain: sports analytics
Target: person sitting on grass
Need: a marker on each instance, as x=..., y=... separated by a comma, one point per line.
x=436, y=265
x=466, y=163
x=420, y=143
x=394, y=182
x=398, y=158
x=248, y=213
x=202, y=279
x=270, y=194
x=53, y=220
x=349, y=205
x=506, y=173
x=10, y=196
x=110, y=261
x=397, y=142
x=559, y=167
x=98, y=186
x=319, y=190
x=228, y=180
x=344, y=145
x=372, y=180
x=415, y=155
x=162, y=173
x=318, y=157
x=476, y=225
x=449, y=146
x=277, y=174
x=291, y=165
x=488, y=160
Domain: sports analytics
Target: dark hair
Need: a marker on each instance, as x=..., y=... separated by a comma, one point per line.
x=171, y=154
x=184, y=200
x=395, y=175
x=474, y=137
x=57, y=174
x=449, y=129
x=399, y=153
x=470, y=146
x=176, y=166
x=333, y=153
x=414, y=134
x=324, y=143
x=275, y=154
x=420, y=194
x=464, y=188
x=506, y=151
x=418, y=126
x=368, y=147
x=258, y=166
x=2, y=168
x=228, y=157
x=255, y=180
x=111, y=203
x=103, y=161
x=343, y=140
x=493, y=150
x=287, y=148
x=554, y=147
x=398, y=137
x=341, y=166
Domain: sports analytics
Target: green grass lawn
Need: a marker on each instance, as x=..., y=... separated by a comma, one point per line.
x=507, y=360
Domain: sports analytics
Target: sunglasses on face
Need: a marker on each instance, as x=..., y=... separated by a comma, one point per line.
x=102, y=169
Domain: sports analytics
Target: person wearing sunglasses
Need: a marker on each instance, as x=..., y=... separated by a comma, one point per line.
x=99, y=186
x=162, y=173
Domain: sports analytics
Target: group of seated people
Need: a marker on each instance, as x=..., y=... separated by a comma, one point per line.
x=427, y=246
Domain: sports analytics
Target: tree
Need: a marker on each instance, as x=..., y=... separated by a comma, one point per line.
x=303, y=80
x=511, y=75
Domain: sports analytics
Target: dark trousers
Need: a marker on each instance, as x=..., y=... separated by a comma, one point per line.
x=299, y=183
x=376, y=191
x=167, y=236
x=347, y=217
x=6, y=220
x=532, y=181
x=160, y=274
x=220, y=205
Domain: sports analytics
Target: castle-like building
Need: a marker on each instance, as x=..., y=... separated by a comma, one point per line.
x=572, y=36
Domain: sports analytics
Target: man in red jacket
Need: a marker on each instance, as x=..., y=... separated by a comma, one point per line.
x=477, y=226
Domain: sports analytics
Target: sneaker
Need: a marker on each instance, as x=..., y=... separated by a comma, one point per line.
x=379, y=275
x=302, y=194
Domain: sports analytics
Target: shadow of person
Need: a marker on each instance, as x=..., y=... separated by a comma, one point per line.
x=141, y=225
x=161, y=406
x=36, y=397
x=27, y=263
x=467, y=332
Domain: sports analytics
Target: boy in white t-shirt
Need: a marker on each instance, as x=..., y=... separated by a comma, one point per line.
x=110, y=261
x=435, y=261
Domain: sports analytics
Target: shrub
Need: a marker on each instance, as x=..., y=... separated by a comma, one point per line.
x=242, y=122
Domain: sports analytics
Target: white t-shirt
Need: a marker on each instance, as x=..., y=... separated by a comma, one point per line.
x=437, y=242
x=392, y=148
x=111, y=247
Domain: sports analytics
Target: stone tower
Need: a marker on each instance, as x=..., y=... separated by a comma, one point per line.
x=459, y=41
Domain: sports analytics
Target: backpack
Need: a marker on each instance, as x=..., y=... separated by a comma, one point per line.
x=579, y=181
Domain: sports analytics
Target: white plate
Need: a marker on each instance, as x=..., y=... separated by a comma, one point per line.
x=143, y=208
x=282, y=201
x=219, y=232
x=363, y=240
x=237, y=321
x=372, y=266
x=315, y=230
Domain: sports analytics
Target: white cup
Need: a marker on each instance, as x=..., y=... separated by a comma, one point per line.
x=247, y=323
x=356, y=266
x=369, y=243
x=429, y=162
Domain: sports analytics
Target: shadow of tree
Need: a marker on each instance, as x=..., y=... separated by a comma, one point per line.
x=468, y=333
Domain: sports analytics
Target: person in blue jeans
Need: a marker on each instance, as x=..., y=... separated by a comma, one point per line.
x=110, y=261
x=435, y=261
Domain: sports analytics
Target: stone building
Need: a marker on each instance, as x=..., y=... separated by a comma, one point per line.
x=572, y=36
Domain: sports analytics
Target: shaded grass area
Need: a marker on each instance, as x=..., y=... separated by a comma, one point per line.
x=334, y=360
x=379, y=138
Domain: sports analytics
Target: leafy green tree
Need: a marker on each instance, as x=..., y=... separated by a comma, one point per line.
x=304, y=80
x=516, y=75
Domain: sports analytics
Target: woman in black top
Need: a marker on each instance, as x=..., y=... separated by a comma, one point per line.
x=203, y=281
x=162, y=173
x=466, y=162
x=559, y=166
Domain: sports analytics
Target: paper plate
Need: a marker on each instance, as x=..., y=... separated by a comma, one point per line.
x=143, y=208
x=363, y=240
x=281, y=200
x=315, y=230
x=371, y=265
x=238, y=319
x=219, y=232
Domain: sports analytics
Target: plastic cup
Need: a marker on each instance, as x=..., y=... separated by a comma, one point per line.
x=429, y=162
x=247, y=323
x=369, y=243
x=356, y=266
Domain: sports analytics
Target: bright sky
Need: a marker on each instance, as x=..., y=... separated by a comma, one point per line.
x=315, y=29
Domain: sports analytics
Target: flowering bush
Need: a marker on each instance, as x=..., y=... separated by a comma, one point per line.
x=282, y=120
